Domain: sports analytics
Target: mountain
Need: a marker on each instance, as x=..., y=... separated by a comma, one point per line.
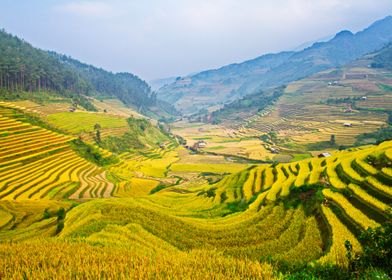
x=158, y=83
x=308, y=44
x=307, y=112
x=24, y=68
x=228, y=83
x=384, y=58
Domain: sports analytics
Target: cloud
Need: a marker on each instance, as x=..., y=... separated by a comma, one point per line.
x=92, y=9
x=158, y=38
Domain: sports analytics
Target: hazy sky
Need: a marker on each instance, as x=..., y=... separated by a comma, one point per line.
x=162, y=38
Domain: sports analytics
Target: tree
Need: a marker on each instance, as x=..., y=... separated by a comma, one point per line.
x=377, y=250
x=333, y=140
x=97, y=126
x=24, y=68
x=98, y=136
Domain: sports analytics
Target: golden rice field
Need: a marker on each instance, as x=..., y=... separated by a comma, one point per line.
x=115, y=107
x=223, y=141
x=78, y=122
x=170, y=214
x=36, y=163
x=265, y=185
x=84, y=260
x=303, y=115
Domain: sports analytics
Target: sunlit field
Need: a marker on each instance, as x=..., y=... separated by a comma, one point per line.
x=194, y=153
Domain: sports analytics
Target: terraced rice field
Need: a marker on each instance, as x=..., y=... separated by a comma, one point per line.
x=78, y=122
x=263, y=187
x=39, y=164
x=165, y=203
x=293, y=116
x=21, y=220
x=115, y=107
x=152, y=163
x=369, y=186
x=223, y=141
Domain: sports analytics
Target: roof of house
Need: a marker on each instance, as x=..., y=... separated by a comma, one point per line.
x=325, y=154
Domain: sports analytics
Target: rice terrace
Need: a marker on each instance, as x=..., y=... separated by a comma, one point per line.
x=277, y=167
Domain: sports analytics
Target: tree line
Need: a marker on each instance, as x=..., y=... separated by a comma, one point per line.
x=24, y=68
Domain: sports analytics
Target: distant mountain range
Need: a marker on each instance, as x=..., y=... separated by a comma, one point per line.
x=310, y=43
x=378, y=65
x=212, y=87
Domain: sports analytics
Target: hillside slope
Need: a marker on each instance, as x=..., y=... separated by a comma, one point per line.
x=312, y=110
x=230, y=82
x=384, y=58
x=24, y=68
x=298, y=212
x=39, y=161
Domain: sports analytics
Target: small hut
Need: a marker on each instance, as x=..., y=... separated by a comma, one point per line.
x=324, y=155
x=199, y=145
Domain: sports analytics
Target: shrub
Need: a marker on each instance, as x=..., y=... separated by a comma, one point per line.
x=377, y=250
x=60, y=226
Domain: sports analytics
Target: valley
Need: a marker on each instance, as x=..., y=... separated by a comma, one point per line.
x=193, y=204
x=255, y=171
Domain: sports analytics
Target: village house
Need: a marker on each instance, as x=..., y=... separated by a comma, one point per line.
x=324, y=155
x=199, y=145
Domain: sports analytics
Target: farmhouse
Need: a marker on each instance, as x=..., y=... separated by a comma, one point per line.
x=323, y=155
x=199, y=145
x=333, y=83
x=347, y=125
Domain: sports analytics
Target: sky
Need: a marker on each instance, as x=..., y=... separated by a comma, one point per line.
x=164, y=38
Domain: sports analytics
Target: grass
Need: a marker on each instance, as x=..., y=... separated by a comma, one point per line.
x=298, y=157
x=319, y=146
x=214, y=148
x=215, y=168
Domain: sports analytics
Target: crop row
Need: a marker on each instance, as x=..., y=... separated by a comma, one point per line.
x=36, y=163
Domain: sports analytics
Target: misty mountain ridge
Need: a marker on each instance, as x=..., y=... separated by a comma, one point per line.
x=228, y=83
